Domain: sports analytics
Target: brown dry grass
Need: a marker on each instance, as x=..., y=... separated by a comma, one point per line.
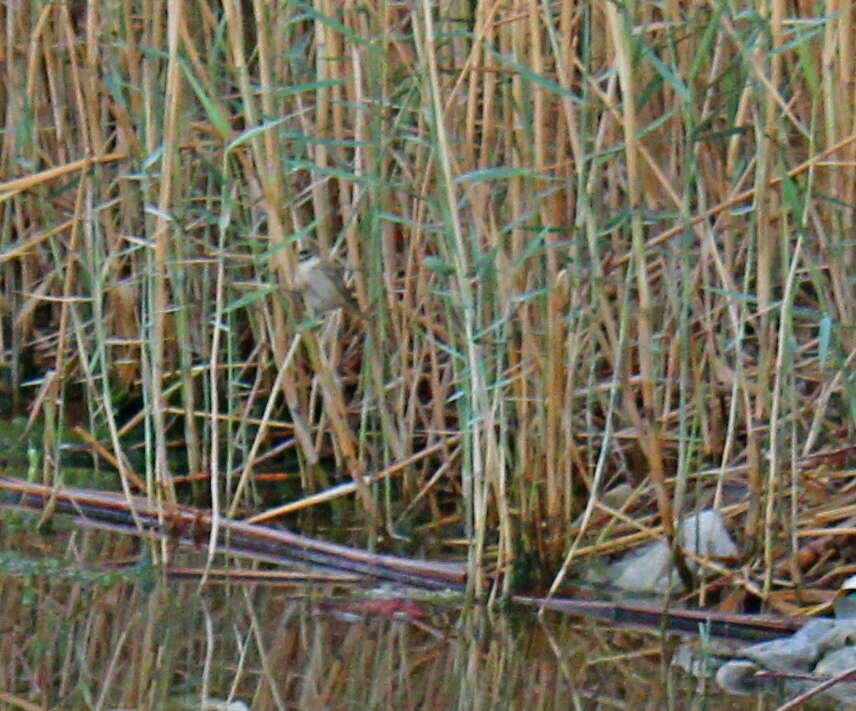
x=594, y=247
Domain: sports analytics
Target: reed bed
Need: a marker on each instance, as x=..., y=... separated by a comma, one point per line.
x=595, y=243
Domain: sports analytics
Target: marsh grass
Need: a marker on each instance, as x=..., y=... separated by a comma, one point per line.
x=597, y=243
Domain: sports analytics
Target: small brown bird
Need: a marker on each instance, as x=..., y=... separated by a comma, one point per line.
x=323, y=285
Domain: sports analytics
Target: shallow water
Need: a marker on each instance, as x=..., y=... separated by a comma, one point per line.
x=105, y=641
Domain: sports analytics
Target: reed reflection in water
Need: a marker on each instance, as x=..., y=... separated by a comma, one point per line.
x=106, y=645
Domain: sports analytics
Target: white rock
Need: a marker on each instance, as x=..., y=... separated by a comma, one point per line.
x=650, y=569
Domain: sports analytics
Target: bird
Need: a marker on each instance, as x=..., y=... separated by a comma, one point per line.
x=322, y=285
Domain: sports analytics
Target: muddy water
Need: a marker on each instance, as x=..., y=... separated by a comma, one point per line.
x=75, y=637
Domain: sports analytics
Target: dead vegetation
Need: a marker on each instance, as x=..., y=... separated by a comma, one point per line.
x=593, y=248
